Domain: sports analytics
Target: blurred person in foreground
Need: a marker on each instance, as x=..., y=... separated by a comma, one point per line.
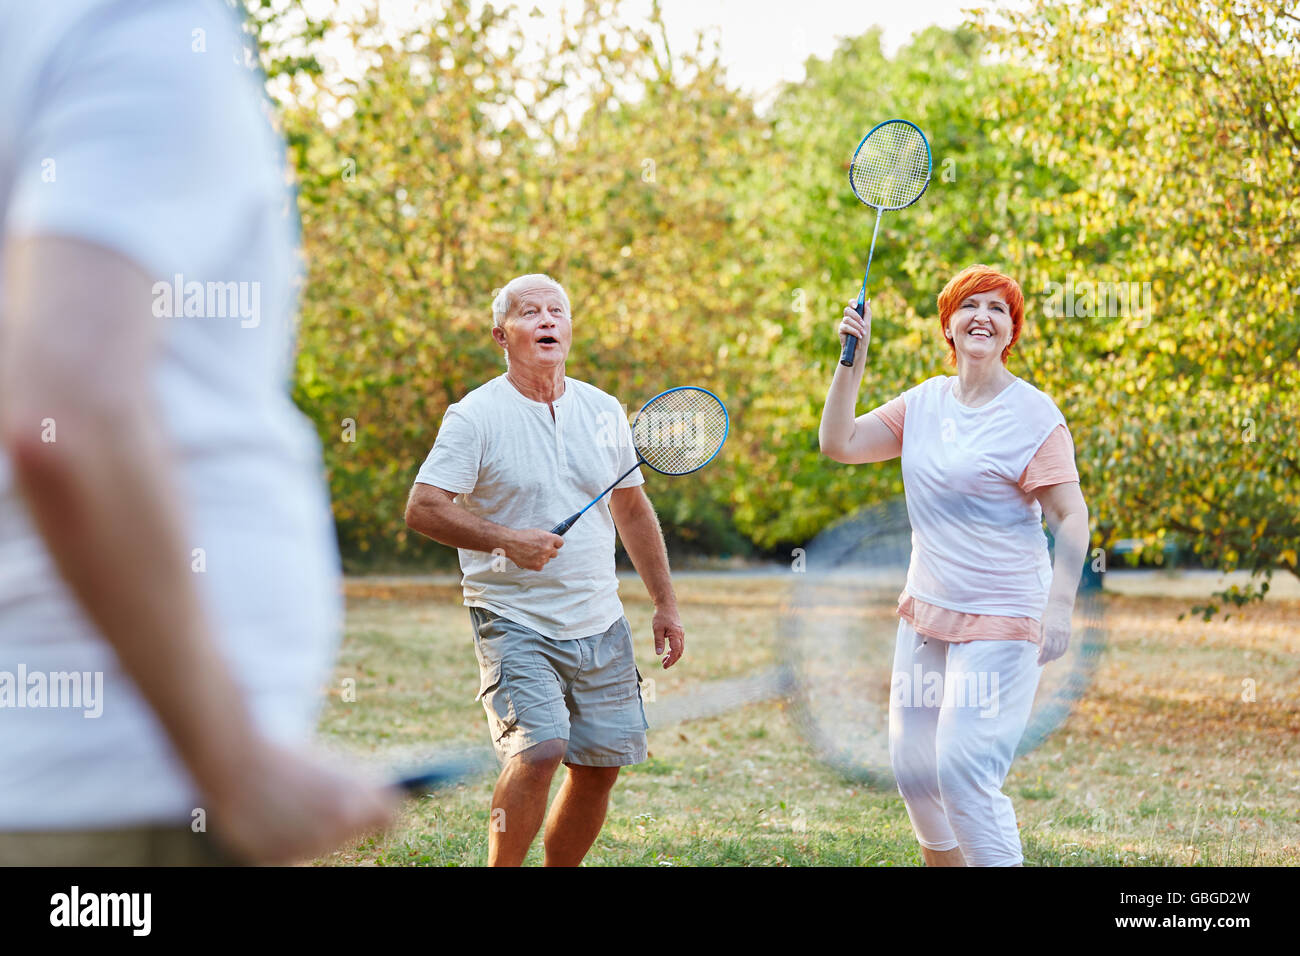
x=556, y=671
x=169, y=579
x=985, y=456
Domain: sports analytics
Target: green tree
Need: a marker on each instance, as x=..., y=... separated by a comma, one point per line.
x=1179, y=121
x=457, y=162
x=981, y=194
x=1143, y=145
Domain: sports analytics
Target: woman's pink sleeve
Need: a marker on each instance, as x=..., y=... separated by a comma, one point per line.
x=892, y=413
x=1052, y=464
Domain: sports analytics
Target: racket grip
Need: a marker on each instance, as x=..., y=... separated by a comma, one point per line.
x=850, y=348
x=434, y=779
x=566, y=524
x=851, y=341
x=416, y=786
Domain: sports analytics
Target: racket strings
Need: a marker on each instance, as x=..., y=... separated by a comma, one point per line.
x=892, y=166
x=680, y=431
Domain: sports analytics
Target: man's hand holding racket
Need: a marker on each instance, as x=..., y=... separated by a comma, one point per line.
x=531, y=548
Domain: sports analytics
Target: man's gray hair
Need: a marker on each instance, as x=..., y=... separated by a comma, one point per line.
x=507, y=297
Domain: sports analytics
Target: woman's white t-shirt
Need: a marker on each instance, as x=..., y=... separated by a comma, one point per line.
x=978, y=545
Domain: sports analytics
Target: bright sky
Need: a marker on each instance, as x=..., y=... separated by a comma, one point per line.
x=766, y=42
x=762, y=42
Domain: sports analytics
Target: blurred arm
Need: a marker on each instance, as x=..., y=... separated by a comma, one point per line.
x=1067, y=518
x=80, y=337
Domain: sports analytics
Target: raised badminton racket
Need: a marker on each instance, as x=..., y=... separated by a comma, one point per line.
x=890, y=170
x=677, y=432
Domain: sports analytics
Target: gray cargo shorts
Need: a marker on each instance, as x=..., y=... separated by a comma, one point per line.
x=586, y=691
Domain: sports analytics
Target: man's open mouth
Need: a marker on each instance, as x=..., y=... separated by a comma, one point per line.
x=549, y=340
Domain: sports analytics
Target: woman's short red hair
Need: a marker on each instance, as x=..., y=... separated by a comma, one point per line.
x=970, y=281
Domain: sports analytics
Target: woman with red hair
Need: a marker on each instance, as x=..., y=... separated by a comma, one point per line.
x=985, y=456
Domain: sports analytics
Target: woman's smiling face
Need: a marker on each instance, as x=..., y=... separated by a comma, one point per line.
x=981, y=325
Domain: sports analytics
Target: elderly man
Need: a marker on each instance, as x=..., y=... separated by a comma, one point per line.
x=557, y=677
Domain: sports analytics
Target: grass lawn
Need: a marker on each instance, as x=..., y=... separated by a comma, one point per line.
x=1162, y=763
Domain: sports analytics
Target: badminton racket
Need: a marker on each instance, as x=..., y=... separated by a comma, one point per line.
x=890, y=170
x=677, y=432
x=444, y=773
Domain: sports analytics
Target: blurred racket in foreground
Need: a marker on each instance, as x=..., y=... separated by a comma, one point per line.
x=677, y=432
x=890, y=170
x=447, y=771
x=838, y=635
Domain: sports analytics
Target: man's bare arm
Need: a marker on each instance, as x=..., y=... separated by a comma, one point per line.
x=433, y=512
x=638, y=529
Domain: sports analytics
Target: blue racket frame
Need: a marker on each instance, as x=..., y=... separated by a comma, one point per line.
x=851, y=344
x=567, y=523
x=726, y=427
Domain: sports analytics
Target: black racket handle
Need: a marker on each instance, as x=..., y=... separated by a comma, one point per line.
x=566, y=524
x=436, y=777
x=850, y=349
x=851, y=341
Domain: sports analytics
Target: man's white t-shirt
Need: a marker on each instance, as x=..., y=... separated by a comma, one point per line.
x=509, y=462
x=978, y=545
x=137, y=126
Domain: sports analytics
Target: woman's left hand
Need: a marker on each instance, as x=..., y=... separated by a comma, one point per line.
x=1055, y=631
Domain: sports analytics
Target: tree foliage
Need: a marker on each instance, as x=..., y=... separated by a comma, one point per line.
x=1132, y=163
x=1180, y=123
x=453, y=166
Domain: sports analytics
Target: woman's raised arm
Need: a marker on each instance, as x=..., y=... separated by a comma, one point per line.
x=854, y=441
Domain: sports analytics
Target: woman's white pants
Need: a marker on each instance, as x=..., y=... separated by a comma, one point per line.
x=956, y=714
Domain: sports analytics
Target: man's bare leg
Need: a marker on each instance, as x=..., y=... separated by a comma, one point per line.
x=519, y=801
x=578, y=814
x=951, y=857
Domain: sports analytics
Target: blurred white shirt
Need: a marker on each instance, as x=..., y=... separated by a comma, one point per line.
x=142, y=126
